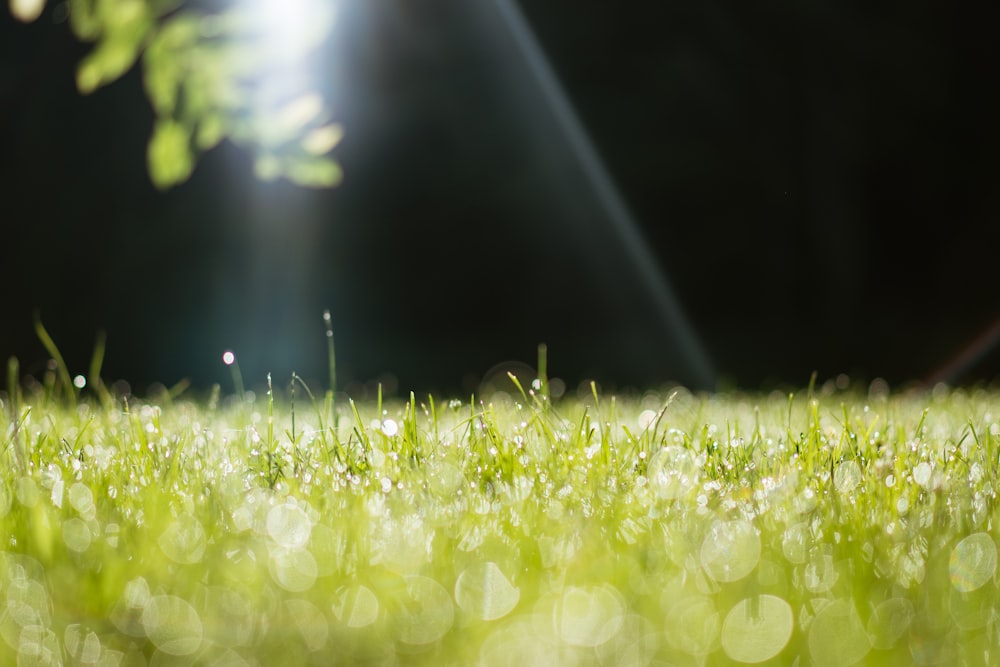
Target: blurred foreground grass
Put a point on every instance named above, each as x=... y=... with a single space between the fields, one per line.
x=663 y=529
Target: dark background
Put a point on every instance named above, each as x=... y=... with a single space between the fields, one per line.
x=817 y=180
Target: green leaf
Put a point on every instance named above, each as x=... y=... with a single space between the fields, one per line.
x=169 y=155
x=211 y=130
x=83 y=20
x=122 y=15
x=114 y=56
x=322 y=140
x=164 y=62
x=160 y=78
x=315 y=172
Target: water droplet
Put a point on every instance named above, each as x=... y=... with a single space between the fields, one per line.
x=172 y=625
x=58 y=486
x=589 y=615
x=837 y=637
x=922 y=474
x=184 y=541
x=634 y=645
x=228 y=358
x=820 y=575
x=82 y=644
x=127 y=612
x=310 y=621
x=426 y=611
x=76 y=535
x=889 y=622
x=293 y=570
x=228 y=658
x=445 y=479
x=847 y=476
x=38 y=647
x=81 y=498
x=389 y=427
x=518 y=644
x=672 y=472
x=973 y=562
x=794 y=544
x=79 y=382
x=289 y=526
x=646 y=419
x=757 y=629
x=355 y=606
x=229 y=617
x=693 y=625
x=730 y=551
x=484 y=592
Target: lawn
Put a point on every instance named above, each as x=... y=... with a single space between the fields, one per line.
x=828 y=527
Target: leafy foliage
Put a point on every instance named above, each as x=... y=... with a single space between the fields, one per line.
x=240 y=73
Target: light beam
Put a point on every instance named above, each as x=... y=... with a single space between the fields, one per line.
x=584 y=152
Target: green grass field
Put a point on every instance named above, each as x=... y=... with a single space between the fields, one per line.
x=828 y=529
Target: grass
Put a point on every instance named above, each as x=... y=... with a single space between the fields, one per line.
x=831 y=528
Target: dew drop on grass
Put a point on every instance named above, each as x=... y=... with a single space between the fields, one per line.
x=172 y=624
x=82 y=644
x=847 y=476
x=820 y=574
x=445 y=479
x=693 y=625
x=518 y=644
x=228 y=658
x=82 y=500
x=634 y=645
x=293 y=570
x=484 y=592
x=922 y=474
x=76 y=535
x=184 y=541
x=837 y=638
x=228 y=617
x=127 y=612
x=757 y=629
x=289 y=526
x=38 y=647
x=973 y=611
x=15 y=616
x=973 y=562
x=889 y=622
x=57 y=493
x=310 y=621
x=355 y=606
x=426 y=611
x=588 y=615
x=730 y=551
x=672 y=472
x=389 y=427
